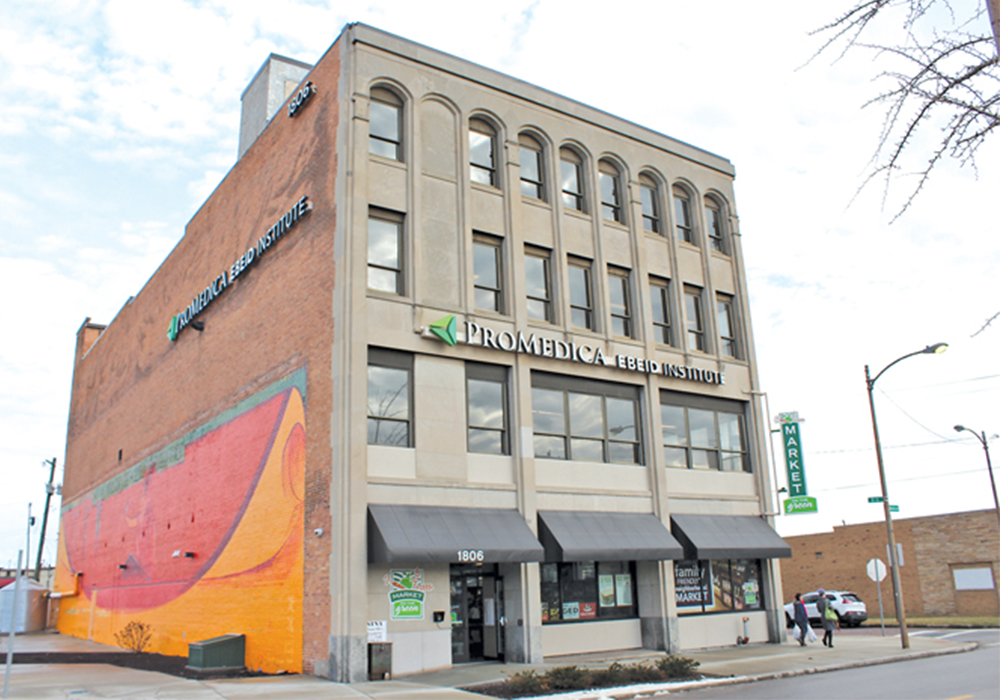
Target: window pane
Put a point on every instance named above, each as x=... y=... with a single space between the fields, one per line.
x=384 y=124
x=485 y=264
x=572 y=192
x=383 y=243
x=731 y=462
x=730 y=435
x=586 y=417
x=702 y=424
x=579 y=286
x=538 y=310
x=486 y=441
x=675 y=456
x=611 y=206
x=531 y=172
x=383 y=280
x=722 y=318
x=383 y=148
x=388 y=432
x=674 y=425
x=701 y=459
x=486 y=404
x=623 y=452
x=550 y=447
x=587 y=450
x=581 y=318
x=388 y=392
x=548 y=412
x=621 y=419
x=481 y=149
x=650 y=212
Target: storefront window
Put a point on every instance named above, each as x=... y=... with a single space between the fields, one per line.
x=587 y=590
x=724 y=585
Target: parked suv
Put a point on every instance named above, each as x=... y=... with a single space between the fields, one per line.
x=848 y=606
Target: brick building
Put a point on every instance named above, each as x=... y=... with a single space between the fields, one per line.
x=445 y=360
x=950 y=563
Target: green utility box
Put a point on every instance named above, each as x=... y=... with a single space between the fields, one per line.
x=224 y=653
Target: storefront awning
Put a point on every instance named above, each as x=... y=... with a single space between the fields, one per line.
x=571 y=535
x=438 y=534
x=728 y=537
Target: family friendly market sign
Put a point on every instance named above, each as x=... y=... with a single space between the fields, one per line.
x=799 y=501
x=446 y=329
x=242 y=264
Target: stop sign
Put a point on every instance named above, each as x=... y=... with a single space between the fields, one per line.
x=876 y=569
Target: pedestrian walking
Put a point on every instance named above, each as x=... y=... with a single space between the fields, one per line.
x=829 y=617
x=801 y=618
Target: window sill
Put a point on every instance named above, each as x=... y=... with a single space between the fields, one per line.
x=391 y=162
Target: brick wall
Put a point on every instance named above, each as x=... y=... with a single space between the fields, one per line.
x=135 y=392
x=837 y=561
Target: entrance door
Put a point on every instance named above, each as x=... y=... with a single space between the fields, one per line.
x=476 y=614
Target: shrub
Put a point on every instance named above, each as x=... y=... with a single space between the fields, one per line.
x=567 y=678
x=673 y=666
x=526 y=683
x=135 y=636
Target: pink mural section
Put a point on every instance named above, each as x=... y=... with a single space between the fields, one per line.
x=202 y=539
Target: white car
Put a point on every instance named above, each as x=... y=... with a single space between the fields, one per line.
x=849 y=608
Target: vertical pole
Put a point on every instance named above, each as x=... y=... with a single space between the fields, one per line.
x=27 y=550
x=13 y=623
x=49 y=490
x=897 y=592
x=989 y=468
x=878 y=582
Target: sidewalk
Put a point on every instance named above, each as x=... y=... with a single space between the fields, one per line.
x=754 y=662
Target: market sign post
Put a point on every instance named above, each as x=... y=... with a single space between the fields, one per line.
x=799 y=502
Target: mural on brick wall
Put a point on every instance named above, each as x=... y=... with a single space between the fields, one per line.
x=200 y=539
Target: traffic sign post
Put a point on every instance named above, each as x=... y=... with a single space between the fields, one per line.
x=876 y=572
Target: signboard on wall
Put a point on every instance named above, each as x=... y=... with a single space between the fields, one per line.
x=407 y=592
x=800 y=501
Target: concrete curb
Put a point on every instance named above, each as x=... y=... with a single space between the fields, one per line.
x=637 y=691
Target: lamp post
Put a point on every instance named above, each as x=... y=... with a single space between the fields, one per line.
x=897 y=591
x=989 y=466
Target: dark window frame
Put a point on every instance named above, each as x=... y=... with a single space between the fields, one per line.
x=659 y=289
x=610 y=185
x=694 y=328
x=399 y=221
x=570 y=584
x=683 y=215
x=381 y=95
x=716 y=225
x=496 y=374
x=487 y=171
x=394 y=360
x=545 y=256
x=622 y=315
x=572 y=200
x=725 y=315
x=496 y=243
x=712 y=573
x=718 y=454
x=576 y=305
x=529 y=146
x=649 y=194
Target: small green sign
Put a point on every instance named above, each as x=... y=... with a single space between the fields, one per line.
x=446 y=329
x=801 y=504
x=893 y=509
x=875 y=499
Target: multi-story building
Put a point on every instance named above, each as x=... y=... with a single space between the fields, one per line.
x=446 y=360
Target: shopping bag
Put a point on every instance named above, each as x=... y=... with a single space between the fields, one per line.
x=830 y=614
x=798 y=632
x=811 y=637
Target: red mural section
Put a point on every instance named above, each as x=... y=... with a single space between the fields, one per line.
x=202 y=539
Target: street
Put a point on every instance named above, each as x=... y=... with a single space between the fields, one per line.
x=967 y=676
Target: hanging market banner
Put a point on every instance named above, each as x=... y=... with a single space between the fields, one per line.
x=800 y=501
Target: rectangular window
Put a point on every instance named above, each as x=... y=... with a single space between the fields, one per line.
x=713 y=216
x=693 y=320
x=384 y=120
x=482 y=152
x=486 y=388
x=650 y=209
x=538 y=278
x=721 y=585
x=703 y=433
x=978 y=578
x=581 y=294
x=611 y=202
x=531 y=172
x=487 y=273
x=659 y=290
x=389 y=412
x=726 y=323
x=585 y=420
x=621 y=303
x=385 y=252
x=583 y=591
x=682 y=215
x=572 y=181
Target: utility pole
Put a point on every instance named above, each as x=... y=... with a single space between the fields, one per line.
x=49 y=490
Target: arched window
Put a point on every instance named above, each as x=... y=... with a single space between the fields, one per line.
x=651 y=210
x=571 y=174
x=611 y=191
x=482 y=152
x=716 y=222
x=683 y=222
x=385 y=124
x=532 y=167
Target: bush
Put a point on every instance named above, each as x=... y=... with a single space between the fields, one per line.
x=135 y=636
x=525 y=683
x=677 y=666
x=567 y=678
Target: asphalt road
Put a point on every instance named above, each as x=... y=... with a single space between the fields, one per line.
x=971 y=676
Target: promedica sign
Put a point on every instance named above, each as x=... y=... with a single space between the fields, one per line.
x=507 y=341
x=242 y=264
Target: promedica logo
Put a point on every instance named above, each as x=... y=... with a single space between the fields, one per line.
x=446 y=329
x=219 y=284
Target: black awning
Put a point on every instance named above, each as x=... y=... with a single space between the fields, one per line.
x=571 y=535
x=438 y=534
x=728 y=537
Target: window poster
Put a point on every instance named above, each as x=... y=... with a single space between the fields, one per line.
x=692 y=591
x=588 y=611
x=571 y=611
x=623 y=588
x=606 y=590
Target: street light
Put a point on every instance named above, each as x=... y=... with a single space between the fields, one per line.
x=982 y=438
x=897 y=591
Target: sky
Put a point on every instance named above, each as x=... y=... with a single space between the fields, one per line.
x=118 y=119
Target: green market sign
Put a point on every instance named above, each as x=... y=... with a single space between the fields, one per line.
x=407 y=592
x=446 y=330
x=242 y=264
x=799 y=502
